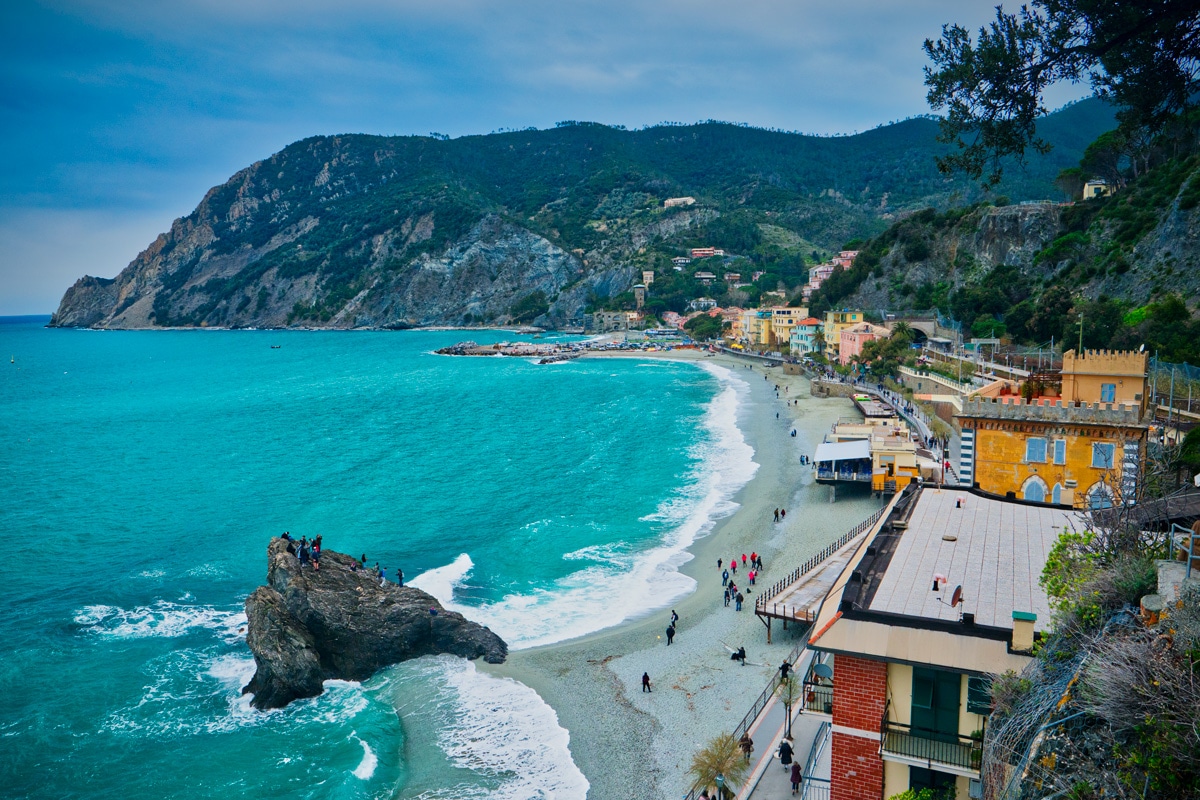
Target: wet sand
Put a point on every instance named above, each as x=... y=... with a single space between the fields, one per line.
x=629 y=743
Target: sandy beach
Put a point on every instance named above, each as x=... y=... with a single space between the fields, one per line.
x=629 y=743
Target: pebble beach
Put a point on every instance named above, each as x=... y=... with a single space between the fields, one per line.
x=630 y=743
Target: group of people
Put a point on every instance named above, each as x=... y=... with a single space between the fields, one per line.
x=780 y=514
x=310 y=553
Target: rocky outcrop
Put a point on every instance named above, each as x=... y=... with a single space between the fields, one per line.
x=307 y=626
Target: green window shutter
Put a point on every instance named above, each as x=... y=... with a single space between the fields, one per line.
x=979 y=695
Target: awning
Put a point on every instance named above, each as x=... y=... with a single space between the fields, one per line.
x=843 y=451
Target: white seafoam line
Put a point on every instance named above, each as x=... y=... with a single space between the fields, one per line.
x=625 y=585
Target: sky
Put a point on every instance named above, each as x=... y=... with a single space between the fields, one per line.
x=116 y=116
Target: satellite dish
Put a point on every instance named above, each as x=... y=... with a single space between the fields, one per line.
x=823 y=671
x=956 y=598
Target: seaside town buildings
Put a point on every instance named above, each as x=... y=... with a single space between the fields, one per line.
x=706 y=252
x=835 y=323
x=803 y=339
x=940 y=594
x=675 y=202
x=1076 y=438
x=852 y=339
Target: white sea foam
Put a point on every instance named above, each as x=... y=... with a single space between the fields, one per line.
x=621 y=585
x=164 y=618
x=502 y=729
x=366 y=767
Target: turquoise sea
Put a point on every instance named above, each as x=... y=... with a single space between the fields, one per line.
x=144 y=472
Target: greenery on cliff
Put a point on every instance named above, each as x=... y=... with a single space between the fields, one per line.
x=330 y=226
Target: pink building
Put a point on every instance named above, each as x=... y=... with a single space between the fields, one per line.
x=853 y=339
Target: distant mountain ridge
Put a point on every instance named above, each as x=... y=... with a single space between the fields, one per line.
x=372 y=231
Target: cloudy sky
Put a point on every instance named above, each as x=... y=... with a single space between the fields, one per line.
x=117 y=115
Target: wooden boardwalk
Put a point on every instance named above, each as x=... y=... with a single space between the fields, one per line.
x=797 y=597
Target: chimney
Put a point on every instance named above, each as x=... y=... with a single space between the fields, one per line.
x=1022 y=637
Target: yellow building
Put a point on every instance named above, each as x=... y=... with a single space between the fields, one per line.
x=783 y=320
x=1082 y=443
x=754 y=327
x=1105 y=376
x=835 y=323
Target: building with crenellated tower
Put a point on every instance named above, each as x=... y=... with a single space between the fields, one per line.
x=1076 y=437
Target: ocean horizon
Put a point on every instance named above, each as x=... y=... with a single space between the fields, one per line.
x=149 y=469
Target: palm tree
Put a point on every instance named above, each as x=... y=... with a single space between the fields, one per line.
x=721 y=756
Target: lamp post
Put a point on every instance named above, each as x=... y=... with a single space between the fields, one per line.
x=720 y=779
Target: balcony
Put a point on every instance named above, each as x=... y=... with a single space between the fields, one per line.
x=818 y=685
x=923 y=748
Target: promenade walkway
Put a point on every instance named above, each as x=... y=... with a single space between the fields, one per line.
x=769 y=780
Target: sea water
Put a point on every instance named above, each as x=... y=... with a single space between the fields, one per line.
x=143 y=474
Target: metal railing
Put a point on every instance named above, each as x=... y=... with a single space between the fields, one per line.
x=931 y=747
x=818 y=691
x=759 y=704
x=812 y=786
x=808 y=566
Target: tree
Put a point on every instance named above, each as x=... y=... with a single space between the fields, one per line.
x=704 y=327
x=721 y=756
x=1144 y=57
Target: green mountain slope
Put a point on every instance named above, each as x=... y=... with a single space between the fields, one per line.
x=358 y=230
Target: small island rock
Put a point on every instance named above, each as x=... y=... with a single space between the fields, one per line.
x=308 y=626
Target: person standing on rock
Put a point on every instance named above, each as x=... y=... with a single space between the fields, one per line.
x=399 y=576
x=303 y=555
x=645 y=681
x=383 y=576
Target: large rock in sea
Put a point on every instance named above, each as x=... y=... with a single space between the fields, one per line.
x=308 y=626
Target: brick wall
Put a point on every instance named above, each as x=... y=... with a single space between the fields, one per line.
x=859 y=699
x=855 y=768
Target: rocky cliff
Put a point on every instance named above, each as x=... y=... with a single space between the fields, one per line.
x=528 y=226
x=307 y=626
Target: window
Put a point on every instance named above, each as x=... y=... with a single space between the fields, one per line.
x=979 y=695
x=1035 y=451
x=1056 y=495
x=1102 y=455
x=1035 y=490
x=1100 y=496
x=1108 y=393
x=1060 y=451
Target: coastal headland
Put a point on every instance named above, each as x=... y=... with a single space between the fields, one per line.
x=631 y=743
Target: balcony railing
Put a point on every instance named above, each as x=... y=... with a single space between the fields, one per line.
x=931 y=747
x=818 y=696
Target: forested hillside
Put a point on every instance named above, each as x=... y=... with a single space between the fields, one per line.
x=357 y=230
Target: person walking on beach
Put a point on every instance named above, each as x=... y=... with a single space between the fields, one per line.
x=725 y=578
x=727 y=597
x=751 y=575
x=777 y=515
x=796 y=777
x=743 y=559
x=741 y=598
x=782 y=514
x=733 y=565
x=674 y=617
x=754 y=559
x=719 y=562
x=670 y=634
x=645 y=681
